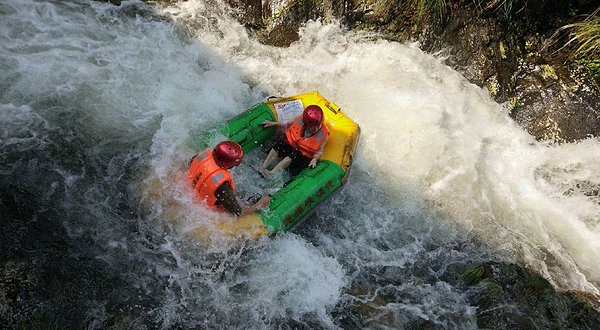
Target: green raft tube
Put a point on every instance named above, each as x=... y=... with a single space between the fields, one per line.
x=296 y=200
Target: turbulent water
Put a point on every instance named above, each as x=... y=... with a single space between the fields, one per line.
x=99 y=108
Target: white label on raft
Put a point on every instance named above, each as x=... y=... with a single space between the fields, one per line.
x=288 y=111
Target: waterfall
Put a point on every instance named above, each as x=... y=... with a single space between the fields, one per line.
x=99 y=108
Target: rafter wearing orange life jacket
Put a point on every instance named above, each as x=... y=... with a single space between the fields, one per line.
x=206 y=176
x=309 y=146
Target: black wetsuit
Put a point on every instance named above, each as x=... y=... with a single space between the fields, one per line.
x=226 y=197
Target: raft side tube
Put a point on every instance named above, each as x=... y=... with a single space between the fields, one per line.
x=306 y=191
x=245 y=128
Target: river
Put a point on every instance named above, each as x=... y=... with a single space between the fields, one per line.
x=99 y=108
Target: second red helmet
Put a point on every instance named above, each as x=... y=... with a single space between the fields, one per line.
x=312 y=115
x=228 y=154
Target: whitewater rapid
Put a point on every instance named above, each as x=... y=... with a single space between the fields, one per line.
x=99 y=108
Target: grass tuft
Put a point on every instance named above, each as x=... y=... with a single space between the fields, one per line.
x=585 y=36
x=536 y=285
x=473 y=274
x=422 y=8
x=491 y=288
x=437 y=8
x=506 y=6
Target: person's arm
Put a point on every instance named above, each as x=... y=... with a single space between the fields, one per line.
x=226 y=196
x=281 y=127
x=317 y=155
x=268 y=123
x=262 y=202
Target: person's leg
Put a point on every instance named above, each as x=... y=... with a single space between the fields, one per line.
x=270 y=158
x=283 y=164
x=279 y=148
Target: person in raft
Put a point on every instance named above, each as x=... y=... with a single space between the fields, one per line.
x=302 y=144
x=209 y=175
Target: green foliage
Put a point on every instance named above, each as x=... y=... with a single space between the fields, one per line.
x=593 y=66
x=536 y=285
x=515 y=102
x=572 y=10
x=437 y=8
x=585 y=36
x=505 y=6
x=473 y=274
x=584 y=304
x=586 y=300
x=491 y=288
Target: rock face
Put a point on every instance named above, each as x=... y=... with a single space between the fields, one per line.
x=510 y=297
x=520 y=63
x=278 y=21
x=513 y=51
x=504 y=296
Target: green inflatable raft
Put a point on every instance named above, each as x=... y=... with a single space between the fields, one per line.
x=296 y=200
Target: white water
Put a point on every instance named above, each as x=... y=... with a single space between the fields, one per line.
x=442 y=176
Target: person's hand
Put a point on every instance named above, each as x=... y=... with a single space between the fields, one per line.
x=268 y=123
x=263 y=201
x=313 y=163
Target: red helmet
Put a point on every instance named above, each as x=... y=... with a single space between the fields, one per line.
x=312 y=115
x=228 y=154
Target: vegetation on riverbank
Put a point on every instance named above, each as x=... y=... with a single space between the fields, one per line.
x=584 y=38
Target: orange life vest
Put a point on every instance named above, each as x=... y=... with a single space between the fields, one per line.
x=309 y=146
x=206 y=176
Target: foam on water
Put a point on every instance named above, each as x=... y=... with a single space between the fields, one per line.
x=102 y=105
x=423 y=124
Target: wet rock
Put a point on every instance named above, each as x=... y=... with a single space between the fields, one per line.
x=508 y=296
x=503 y=295
x=283 y=19
x=555 y=102
x=250 y=12
x=546 y=92
x=14 y=290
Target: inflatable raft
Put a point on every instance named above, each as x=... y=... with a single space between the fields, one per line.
x=300 y=196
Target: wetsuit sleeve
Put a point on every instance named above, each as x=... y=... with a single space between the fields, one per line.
x=226 y=197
